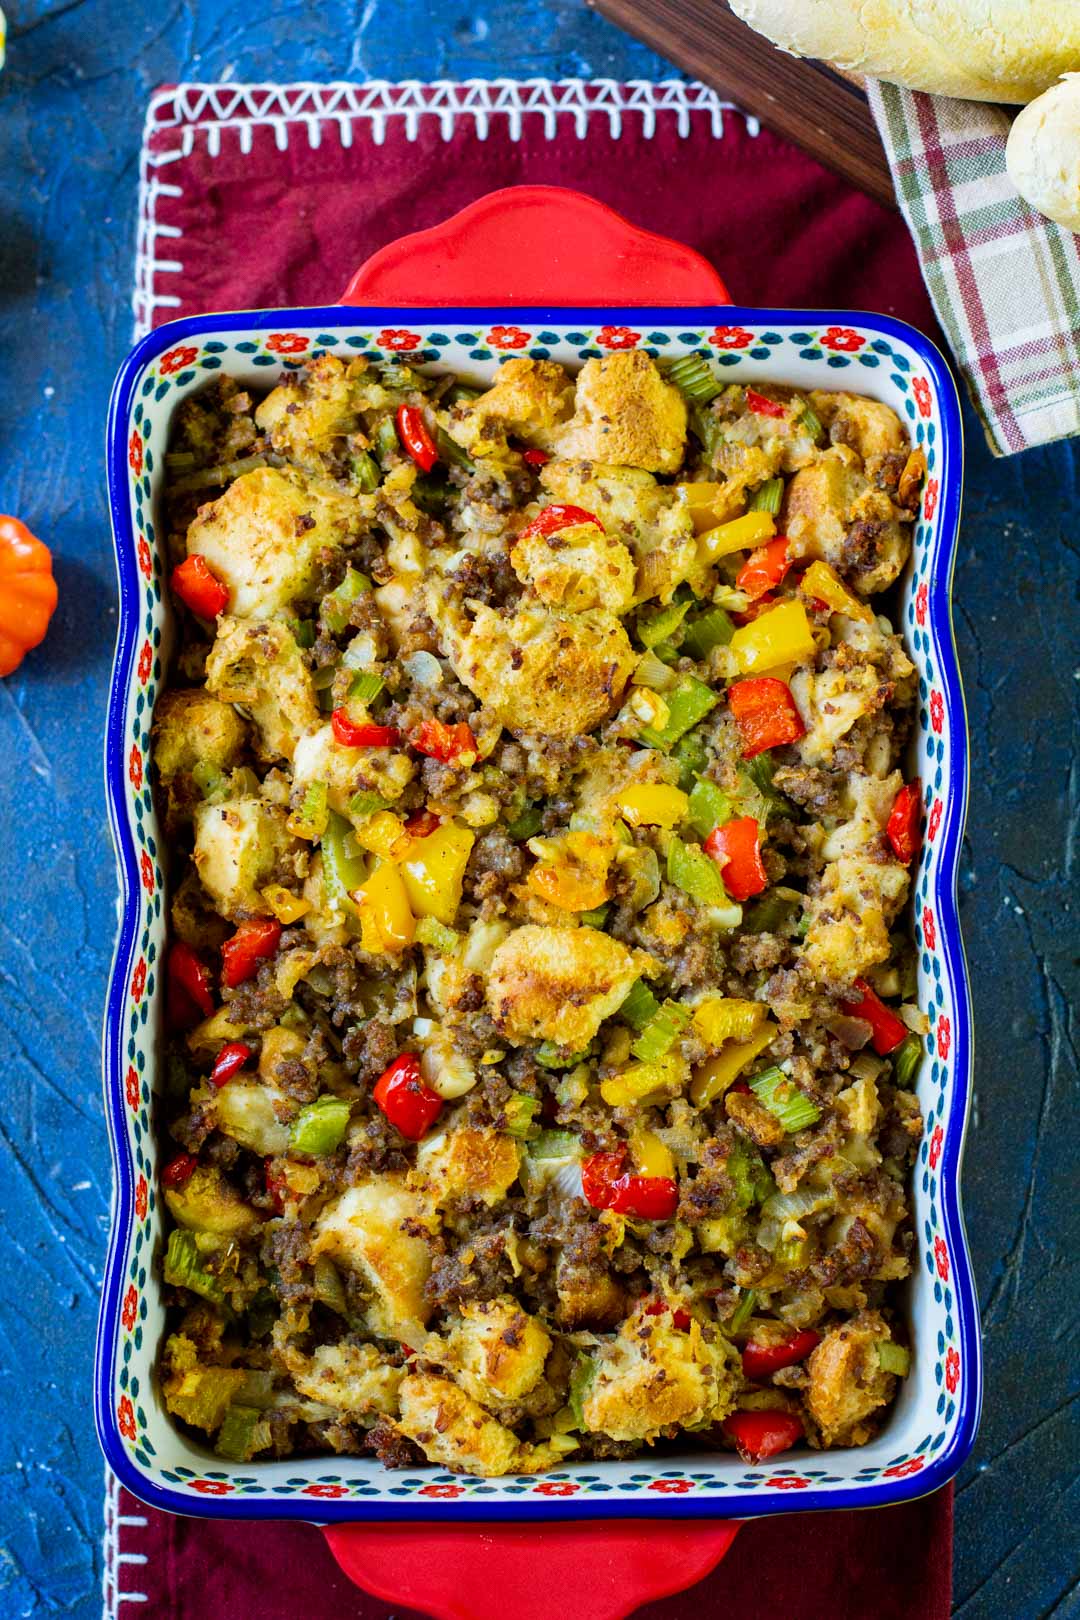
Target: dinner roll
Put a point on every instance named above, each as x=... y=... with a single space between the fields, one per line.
x=1043 y=153
x=981 y=50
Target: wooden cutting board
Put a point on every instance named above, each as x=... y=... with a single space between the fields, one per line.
x=821 y=110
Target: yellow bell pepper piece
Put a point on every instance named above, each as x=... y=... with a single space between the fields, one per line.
x=781 y=636
x=380 y=833
x=702 y=499
x=640 y=1080
x=650 y=1156
x=713 y=1077
x=433 y=871
x=572 y=872
x=724 y=1018
x=742 y=532
x=287 y=907
x=822 y=583
x=384 y=910
x=652 y=804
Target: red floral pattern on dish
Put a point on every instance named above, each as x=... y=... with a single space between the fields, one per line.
x=932 y=825
x=787 y=1482
x=556 y=1487
x=398 y=340
x=922 y=601
x=930 y=498
x=138 y=979
x=921 y=389
x=671 y=1487
x=843 y=339
x=135 y=453
x=326 y=1492
x=730 y=337
x=508 y=337
x=286 y=343
x=135 y=768
x=212 y=1487
x=146 y=562
x=146 y=662
x=177 y=359
x=941 y=1258
x=929 y=929
x=937 y=711
x=142 y=1196
x=902 y=1470
x=442 y=1493
x=935 y=1146
x=130 y=1310
x=952 y=1370
x=944 y=1036
x=125 y=1417
x=146 y=868
x=617 y=337
x=131 y=1087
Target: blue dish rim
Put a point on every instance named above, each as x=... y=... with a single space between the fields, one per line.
x=879 y=1493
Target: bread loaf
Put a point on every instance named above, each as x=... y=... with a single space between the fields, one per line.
x=1043 y=153
x=981 y=50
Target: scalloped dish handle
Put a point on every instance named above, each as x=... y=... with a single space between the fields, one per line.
x=528 y=1572
x=535 y=245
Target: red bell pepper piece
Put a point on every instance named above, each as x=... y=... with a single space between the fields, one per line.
x=736 y=849
x=190 y=992
x=250 y=945
x=742 y=1087
x=765 y=713
x=276 y=1185
x=761 y=406
x=558 y=516
x=229 y=1061
x=760 y=1361
x=758 y=1435
x=443 y=742
x=904 y=822
x=422 y=824
x=178 y=1170
x=536 y=458
x=407 y=1102
x=199 y=588
x=415 y=438
x=351 y=735
x=680 y=1319
x=888 y=1031
x=765 y=568
x=606 y=1186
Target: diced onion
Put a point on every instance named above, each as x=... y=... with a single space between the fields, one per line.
x=423 y=668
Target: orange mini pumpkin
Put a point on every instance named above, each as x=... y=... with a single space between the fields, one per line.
x=27 y=592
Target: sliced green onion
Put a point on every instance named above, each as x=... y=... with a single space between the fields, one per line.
x=596 y=918
x=519 y=1110
x=244 y=1432
x=690 y=702
x=550 y=1055
x=366 y=803
x=744 y=1310
x=310 y=820
x=640 y=1006
x=708 y=807
x=184 y=1268
x=694 y=378
x=582 y=1377
x=782 y=1097
x=810 y=420
x=893 y=1358
x=691 y=870
x=525 y=824
x=907 y=1061
x=365 y=472
x=321 y=1126
x=365 y=686
x=554 y=1145
x=661 y=1032
x=435 y=934
x=337 y=604
x=711 y=629
x=768 y=497
x=693 y=756
x=662 y=624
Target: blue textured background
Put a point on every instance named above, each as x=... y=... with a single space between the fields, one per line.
x=71 y=106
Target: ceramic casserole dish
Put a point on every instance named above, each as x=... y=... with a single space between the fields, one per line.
x=930 y=1431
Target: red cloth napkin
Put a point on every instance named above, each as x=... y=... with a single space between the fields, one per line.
x=274 y=195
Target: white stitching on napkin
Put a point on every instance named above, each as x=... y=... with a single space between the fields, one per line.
x=115 y=1521
x=206 y=111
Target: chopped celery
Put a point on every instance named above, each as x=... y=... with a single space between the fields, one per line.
x=758 y=772
x=690 y=702
x=582 y=1377
x=691 y=870
x=693 y=756
x=552 y=1056
x=744 y=1310
x=792 y=1253
x=256 y=1390
x=519 y=1110
x=708 y=630
x=221 y=474
x=211 y=783
x=365 y=686
x=596 y=918
x=303 y=632
x=329 y=1288
x=774 y=912
x=654 y=673
x=525 y=824
x=451 y=452
x=460 y=394
x=554 y=1145
x=340 y=870
x=693 y=377
x=244 y=1432
x=640 y=1006
x=387 y=445
x=907 y=1061
x=320 y=1127
x=706 y=428
x=810 y=421
x=661 y=1032
x=750 y=1175
x=337 y=604
x=662 y=624
x=183 y=1267
x=431 y=493
x=709 y=807
x=768 y=497
x=431 y=932
x=666 y=652
x=366 y=803
x=893 y=1358
x=310 y=820
x=782 y=1097
x=642 y=869
x=365 y=472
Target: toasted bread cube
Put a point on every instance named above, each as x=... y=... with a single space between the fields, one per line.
x=261 y=667
x=626 y=414
x=558 y=984
x=452 y=1429
x=469 y=1161
x=237 y=846
x=531 y=399
x=653 y=1376
x=352 y=1377
x=847 y=1383
x=498 y=1350
x=365 y=1229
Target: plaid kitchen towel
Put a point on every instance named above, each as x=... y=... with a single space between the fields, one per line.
x=1005 y=282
